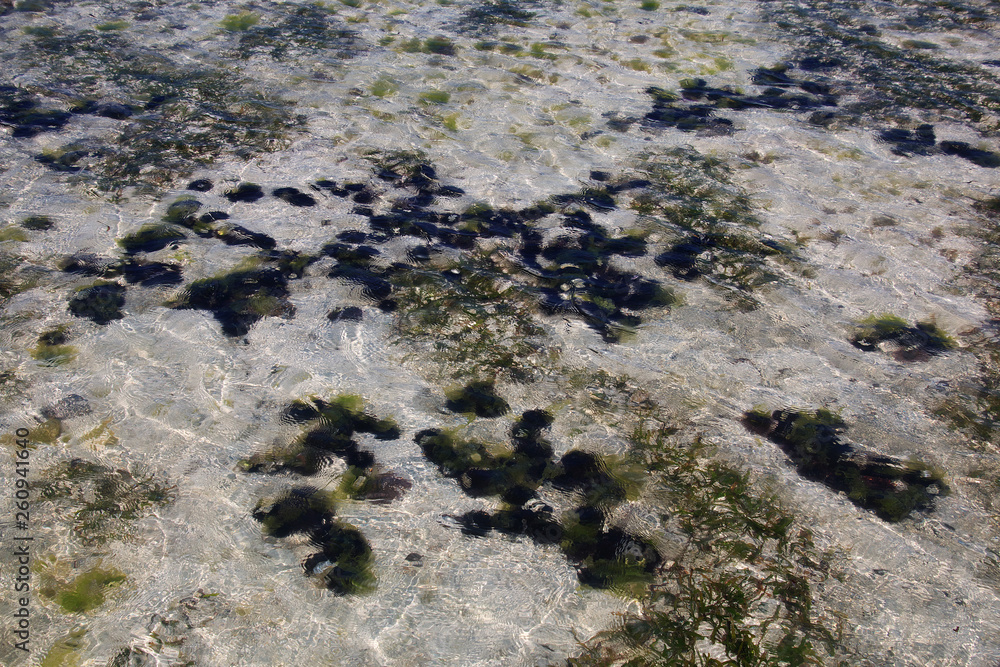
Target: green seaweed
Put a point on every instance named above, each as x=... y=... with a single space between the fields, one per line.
x=305 y=28
x=106 y=499
x=86 y=592
x=694 y=196
x=890 y=488
x=740 y=590
x=202 y=112
x=151 y=237
x=891 y=81
x=239 y=22
x=52 y=350
x=913 y=342
x=65 y=652
x=477 y=324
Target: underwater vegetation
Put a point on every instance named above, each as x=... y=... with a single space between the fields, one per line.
x=345 y=558
x=912 y=342
x=482 y=18
x=105 y=499
x=344 y=561
x=13 y=277
x=477 y=308
x=101 y=303
x=921 y=141
x=331 y=426
x=975 y=407
x=240 y=298
x=714 y=224
x=292 y=30
x=173 y=116
x=740 y=588
x=25 y=115
x=605 y=556
x=151 y=238
x=889 y=487
x=85 y=592
x=842 y=38
x=52 y=348
x=693 y=110
x=478 y=397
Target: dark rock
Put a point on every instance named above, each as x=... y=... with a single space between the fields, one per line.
x=114 y=111
x=478 y=397
x=67 y=407
x=349 y=314
x=151 y=274
x=99 y=303
x=245 y=192
x=294 y=196
x=976 y=156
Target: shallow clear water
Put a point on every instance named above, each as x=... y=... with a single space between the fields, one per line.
x=510 y=115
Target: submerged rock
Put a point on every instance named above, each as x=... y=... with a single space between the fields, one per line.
x=245 y=192
x=889 y=487
x=100 y=303
x=604 y=556
x=478 y=397
x=913 y=343
x=150 y=238
x=294 y=196
x=241 y=298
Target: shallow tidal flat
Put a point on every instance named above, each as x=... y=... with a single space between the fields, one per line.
x=495 y=333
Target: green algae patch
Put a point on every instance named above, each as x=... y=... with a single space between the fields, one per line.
x=384 y=87
x=434 y=97
x=111 y=26
x=912 y=343
x=104 y=500
x=740 y=590
x=889 y=487
x=101 y=302
x=84 y=593
x=66 y=651
x=239 y=22
x=345 y=560
x=201 y=111
x=52 y=349
x=151 y=237
x=12 y=233
x=240 y=298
